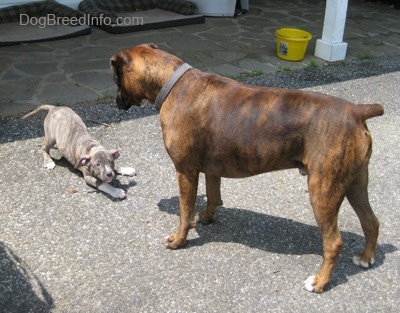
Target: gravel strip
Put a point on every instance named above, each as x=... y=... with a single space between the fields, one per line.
x=331 y=73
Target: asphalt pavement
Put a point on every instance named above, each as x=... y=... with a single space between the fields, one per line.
x=65 y=247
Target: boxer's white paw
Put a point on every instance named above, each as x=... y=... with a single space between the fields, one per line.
x=49 y=165
x=128 y=171
x=308 y=284
x=113 y=192
x=357 y=261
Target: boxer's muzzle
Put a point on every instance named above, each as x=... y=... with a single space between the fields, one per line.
x=124 y=102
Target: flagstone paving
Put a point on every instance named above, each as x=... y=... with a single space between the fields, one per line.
x=77 y=69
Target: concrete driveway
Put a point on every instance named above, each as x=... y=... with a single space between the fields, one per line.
x=65 y=247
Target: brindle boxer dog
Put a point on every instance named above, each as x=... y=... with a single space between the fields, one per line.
x=223 y=128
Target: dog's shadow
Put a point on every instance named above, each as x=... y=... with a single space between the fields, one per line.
x=21 y=290
x=275 y=234
x=62 y=162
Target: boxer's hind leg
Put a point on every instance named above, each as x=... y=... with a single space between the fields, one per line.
x=326 y=198
x=213 y=191
x=188 y=180
x=357 y=194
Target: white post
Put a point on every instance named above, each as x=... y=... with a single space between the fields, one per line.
x=331 y=47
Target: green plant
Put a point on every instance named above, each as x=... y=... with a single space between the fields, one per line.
x=257 y=73
x=283 y=69
x=57 y=103
x=313 y=63
x=105 y=97
x=365 y=56
x=253 y=73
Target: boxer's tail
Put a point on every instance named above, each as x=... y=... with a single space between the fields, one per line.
x=366 y=111
x=44 y=107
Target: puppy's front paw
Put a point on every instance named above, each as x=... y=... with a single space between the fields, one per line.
x=113 y=192
x=128 y=171
x=49 y=165
x=118 y=193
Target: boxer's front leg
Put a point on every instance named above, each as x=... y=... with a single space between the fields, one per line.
x=188 y=181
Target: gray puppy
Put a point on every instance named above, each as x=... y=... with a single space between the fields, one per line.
x=64 y=128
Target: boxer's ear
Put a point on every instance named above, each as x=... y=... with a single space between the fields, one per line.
x=118 y=63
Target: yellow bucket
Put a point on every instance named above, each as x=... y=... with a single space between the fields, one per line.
x=291 y=43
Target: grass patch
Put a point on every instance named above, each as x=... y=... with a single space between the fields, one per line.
x=365 y=56
x=283 y=69
x=313 y=63
x=245 y=75
x=106 y=97
x=57 y=103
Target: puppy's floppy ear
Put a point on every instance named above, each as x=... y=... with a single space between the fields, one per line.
x=116 y=153
x=84 y=160
x=119 y=62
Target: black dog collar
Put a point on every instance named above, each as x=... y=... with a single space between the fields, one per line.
x=166 y=89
